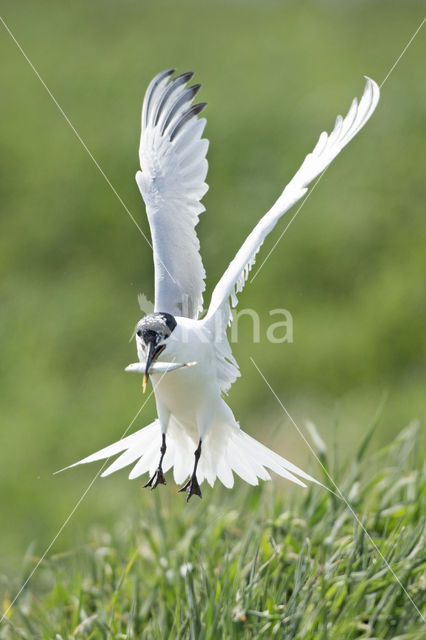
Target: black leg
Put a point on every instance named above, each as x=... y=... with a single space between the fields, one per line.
x=192 y=487
x=158 y=477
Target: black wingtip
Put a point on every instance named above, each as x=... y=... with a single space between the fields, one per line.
x=194 y=89
x=163 y=74
x=191 y=113
x=197 y=108
x=187 y=96
x=186 y=76
x=171 y=86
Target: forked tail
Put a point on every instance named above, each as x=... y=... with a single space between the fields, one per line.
x=226 y=450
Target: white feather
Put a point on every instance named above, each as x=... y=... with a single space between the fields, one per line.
x=226 y=449
x=232 y=282
x=172 y=194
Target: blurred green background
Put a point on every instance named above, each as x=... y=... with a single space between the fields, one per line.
x=350 y=268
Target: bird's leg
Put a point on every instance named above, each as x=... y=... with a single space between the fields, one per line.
x=192 y=487
x=158 y=477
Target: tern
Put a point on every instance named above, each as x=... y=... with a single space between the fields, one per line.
x=196 y=432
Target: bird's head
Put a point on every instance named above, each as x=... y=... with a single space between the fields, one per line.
x=152 y=333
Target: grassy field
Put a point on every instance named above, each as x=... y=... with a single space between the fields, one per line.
x=260 y=565
x=350 y=269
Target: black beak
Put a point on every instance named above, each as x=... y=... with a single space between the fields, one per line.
x=153 y=353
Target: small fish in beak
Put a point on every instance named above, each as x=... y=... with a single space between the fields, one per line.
x=158 y=367
x=153 y=353
x=152 y=331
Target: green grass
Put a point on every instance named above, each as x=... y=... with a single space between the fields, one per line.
x=247 y=564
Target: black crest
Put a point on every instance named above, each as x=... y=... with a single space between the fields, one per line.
x=155 y=327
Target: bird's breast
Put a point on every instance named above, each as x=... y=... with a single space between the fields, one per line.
x=184 y=391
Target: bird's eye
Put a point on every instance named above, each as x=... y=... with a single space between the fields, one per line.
x=139 y=333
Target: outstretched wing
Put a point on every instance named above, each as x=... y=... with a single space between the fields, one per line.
x=219 y=314
x=326 y=149
x=173 y=170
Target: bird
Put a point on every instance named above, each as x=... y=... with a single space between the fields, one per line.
x=196 y=432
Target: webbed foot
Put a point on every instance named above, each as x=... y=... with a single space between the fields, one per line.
x=157 y=478
x=192 y=488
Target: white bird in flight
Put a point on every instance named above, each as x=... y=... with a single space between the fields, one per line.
x=192 y=412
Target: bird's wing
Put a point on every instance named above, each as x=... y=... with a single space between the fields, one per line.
x=326 y=149
x=219 y=314
x=173 y=164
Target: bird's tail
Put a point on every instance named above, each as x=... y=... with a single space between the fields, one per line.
x=237 y=452
x=226 y=450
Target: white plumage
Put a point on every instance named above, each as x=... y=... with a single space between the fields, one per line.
x=173 y=164
x=190 y=404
